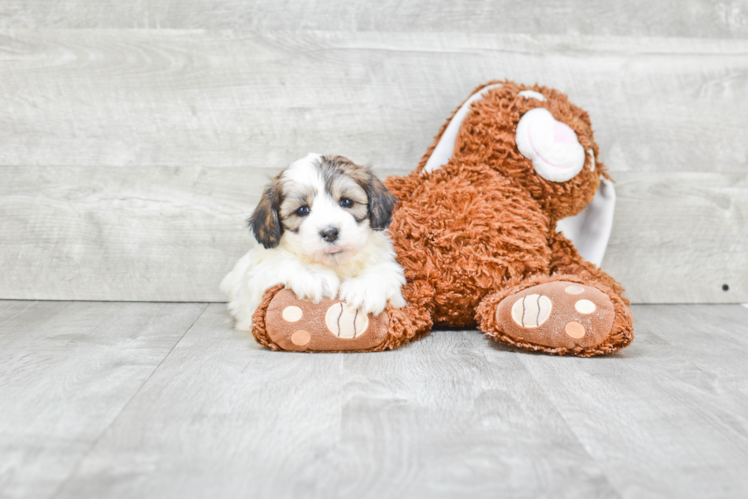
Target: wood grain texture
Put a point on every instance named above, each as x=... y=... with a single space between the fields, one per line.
x=680 y=237
x=131 y=158
x=671 y=419
x=127 y=234
x=66 y=371
x=197 y=98
x=692 y=18
x=168 y=233
x=449 y=416
x=453 y=415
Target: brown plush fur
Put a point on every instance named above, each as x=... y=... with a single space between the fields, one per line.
x=482 y=228
x=258 y=318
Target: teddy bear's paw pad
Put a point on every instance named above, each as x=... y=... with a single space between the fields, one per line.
x=557 y=314
x=330 y=325
x=345 y=322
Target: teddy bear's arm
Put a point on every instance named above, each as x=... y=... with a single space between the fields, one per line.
x=565 y=259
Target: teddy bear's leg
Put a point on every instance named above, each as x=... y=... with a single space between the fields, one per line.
x=565 y=259
x=282 y=322
x=577 y=310
x=559 y=314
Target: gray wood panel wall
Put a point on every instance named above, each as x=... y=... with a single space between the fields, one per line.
x=684 y=18
x=130 y=158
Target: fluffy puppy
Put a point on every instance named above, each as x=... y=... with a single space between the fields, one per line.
x=320 y=224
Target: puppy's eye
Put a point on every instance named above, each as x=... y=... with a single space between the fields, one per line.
x=302 y=211
x=346 y=202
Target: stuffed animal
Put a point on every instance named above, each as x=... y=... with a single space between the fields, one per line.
x=475 y=231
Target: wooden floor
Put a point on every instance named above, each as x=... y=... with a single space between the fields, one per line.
x=105 y=399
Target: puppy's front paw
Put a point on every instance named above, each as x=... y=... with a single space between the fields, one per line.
x=363 y=295
x=315 y=286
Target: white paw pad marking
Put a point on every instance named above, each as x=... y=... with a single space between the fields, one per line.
x=346 y=322
x=585 y=306
x=574 y=289
x=292 y=314
x=531 y=311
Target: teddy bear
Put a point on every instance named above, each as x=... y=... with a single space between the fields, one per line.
x=475 y=232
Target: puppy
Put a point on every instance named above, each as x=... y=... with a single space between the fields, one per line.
x=320 y=224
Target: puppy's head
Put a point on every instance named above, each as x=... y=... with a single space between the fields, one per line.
x=323 y=207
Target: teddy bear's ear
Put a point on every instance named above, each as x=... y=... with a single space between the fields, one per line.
x=444 y=149
x=265 y=220
x=381 y=204
x=590 y=229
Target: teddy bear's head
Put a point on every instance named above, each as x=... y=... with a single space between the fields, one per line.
x=535 y=136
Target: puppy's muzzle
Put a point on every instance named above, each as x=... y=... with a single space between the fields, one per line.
x=329 y=234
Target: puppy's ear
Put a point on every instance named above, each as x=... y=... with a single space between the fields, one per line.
x=265 y=220
x=381 y=204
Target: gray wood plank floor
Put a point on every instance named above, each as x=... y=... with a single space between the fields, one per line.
x=67 y=369
x=153 y=399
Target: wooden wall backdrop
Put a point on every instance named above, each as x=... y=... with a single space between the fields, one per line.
x=135 y=137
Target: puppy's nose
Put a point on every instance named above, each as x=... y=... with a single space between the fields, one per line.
x=329 y=234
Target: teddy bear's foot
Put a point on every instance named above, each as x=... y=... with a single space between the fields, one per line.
x=557 y=314
x=283 y=322
x=559 y=317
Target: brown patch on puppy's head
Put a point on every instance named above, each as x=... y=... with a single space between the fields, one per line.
x=292 y=201
x=265 y=221
x=381 y=204
x=347 y=180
